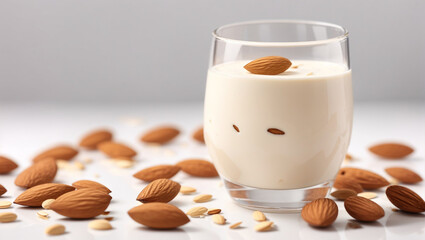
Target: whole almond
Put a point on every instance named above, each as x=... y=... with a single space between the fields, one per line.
x=94 y=138
x=7 y=165
x=271 y=65
x=363 y=209
x=343 y=182
x=63 y=152
x=321 y=212
x=100 y=224
x=158 y=215
x=263 y=226
x=81 y=184
x=343 y=194
x=156 y=172
x=55 y=229
x=3 y=190
x=391 y=150
x=405 y=199
x=404 y=175
x=160 y=135
x=197 y=211
x=81 y=204
x=367 y=179
x=46 y=203
x=43 y=171
x=160 y=190
x=35 y=196
x=198 y=168
x=202 y=198
x=218 y=219
x=6 y=217
x=198 y=135
x=116 y=150
x=259 y=216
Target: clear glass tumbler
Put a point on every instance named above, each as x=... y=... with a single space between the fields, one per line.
x=278 y=140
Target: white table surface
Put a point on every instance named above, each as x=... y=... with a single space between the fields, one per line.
x=26 y=129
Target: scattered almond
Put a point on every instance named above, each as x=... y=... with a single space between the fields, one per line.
x=5 y=204
x=393 y=181
x=218 y=219
x=343 y=182
x=235 y=225
x=368 y=195
x=3 y=190
x=79 y=165
x=160 y=190
x=263 y=226
x=321 y=212
x=391 y=150
x=198 y=135
x=46 y=203
x=35 y=196
x=157 y=172
x=405 y=199
x=348 y=157
x=116 y=150
x=6 y=217
x=106 y=213
x=43 y=171
x=100 y=224
x=83 y=203
x=197 y=211
x=271 y=65
x=55 y=229
x=81 y=184
x=109 y=218
x=367 y=179
x=343 y=194
x=213 y=211
x=7 y=165
x=363 y=209
x=124 y=163
x=198 y=168
x=158 y=215
x=43 y=214
x=160 y=135
x=259 y=216
x=94 y=138
x=187 y=190
x=202 y=198
x=63 y=152
x=404 y=175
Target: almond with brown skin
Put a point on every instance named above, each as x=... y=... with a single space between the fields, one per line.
x=3 y=190
x=160 y=135
x=157 y=172
x=405 y=199
x=198 y=168
x=116 y=150
x=82 y=204
x=404 y=175
x=391 y=150
x=343 y=194
x=35 y=196
x=43 y=171
x=159 y=215
x=94 y=138
x=321 y=212
x=271 y=65
x=363 y=209
x=343 y=182
x=198 y=135
x=7 y=165
x=81 y=184
x=160 y=190
x=368 y=179
x=62 y=152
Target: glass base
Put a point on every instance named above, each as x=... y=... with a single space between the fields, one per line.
x=271 y=200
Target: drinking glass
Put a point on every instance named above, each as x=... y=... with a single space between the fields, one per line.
x=278 y=141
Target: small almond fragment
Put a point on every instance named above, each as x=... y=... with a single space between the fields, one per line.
x=81 y=184
x=160 y=190
x=100 y=224
x=270 y=65
x=367 y=179
x=198 y=135
x=404 y=175
x=63 y=152
x=159 y=215
x=55 y=229
x=92 y=139
x=160 y=135
x=213 y=211
x=3 y=190
x=202 y=198
x=343 y=194
x=124 y=163
x=43 y=214
x=197 y=211
x=363 y=209
x=116 y=150
x=235 y=225
x=405 y=199
x=35 y=196
x=157 y=172
x=187 y=190
x=198 y=168
x=391 y=150
x=46 y=203
x=259 y=216
x=6 y=217
x=218 y=219
x=43 y=171
x=368 y=195
x=7 y=165
x=5 y=204
x=321 y=212
x=348 y=157
x=79 y=165
x=343 y=182
x=263 y=226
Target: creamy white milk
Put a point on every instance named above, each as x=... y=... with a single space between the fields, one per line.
x=312 y=104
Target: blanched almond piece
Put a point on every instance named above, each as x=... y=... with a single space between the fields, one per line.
x=197 y=211
x=55 y=229
x=6 y=217
x=100 y=224
x=259 y=216
x=368 y=195
x=187 y=190
x=263 y=226
x=43 y=214
x=218 y=219
x=202 y=198
x=235 y=225
x=5 y=204
x=46 y=203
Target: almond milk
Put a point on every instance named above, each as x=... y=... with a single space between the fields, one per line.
x=311 y=103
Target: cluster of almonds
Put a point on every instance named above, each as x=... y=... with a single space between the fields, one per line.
x=351 y=183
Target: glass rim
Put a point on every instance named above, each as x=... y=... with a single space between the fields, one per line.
x=341 y=37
